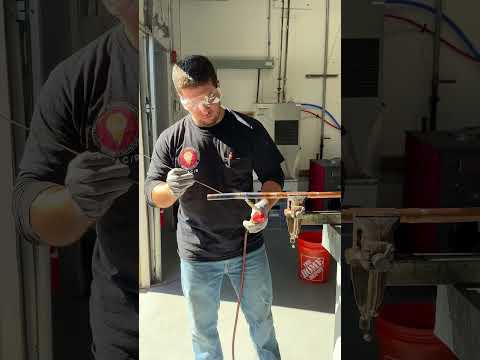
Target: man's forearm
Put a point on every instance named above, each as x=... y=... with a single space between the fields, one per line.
x=56 y=219
x=271 y=186
x=162 y=197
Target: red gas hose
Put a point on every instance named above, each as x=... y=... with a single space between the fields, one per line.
x=240 y=291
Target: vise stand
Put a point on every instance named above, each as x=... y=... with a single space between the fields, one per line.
x=375 y=263
x=296 y=217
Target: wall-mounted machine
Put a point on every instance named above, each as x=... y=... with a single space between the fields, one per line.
x=282 y=121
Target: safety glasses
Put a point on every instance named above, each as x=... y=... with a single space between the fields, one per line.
x=213 y=98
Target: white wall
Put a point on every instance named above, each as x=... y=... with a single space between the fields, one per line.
x=239 y=28
x=408 y=67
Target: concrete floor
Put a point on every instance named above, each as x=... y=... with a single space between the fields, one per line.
x=303 y=313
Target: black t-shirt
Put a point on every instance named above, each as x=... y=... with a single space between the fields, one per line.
x=223 y=157
x=79 y=102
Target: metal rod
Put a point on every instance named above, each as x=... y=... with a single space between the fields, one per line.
x=416 y=215
x=325 y=71
x=274 y=195
x=20 y=125
x=279 y=86
x=437 y=257
x=420 y=212
x=72 y=151
x=286 y=54
x=445 y=254
x=436 y=65
x=209 y=187
x=29 y=40
x=199 y=182
x=258 y=84
x=269 y=26
x=269 y=41
x=316 y=76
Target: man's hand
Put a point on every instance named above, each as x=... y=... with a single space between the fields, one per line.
x=178 y=181
x=95 y=181
x=258 y=218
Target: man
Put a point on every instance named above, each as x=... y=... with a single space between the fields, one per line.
x=79 y=170
x=220 y=148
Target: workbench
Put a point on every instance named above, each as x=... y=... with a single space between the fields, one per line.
x=457 y=276
x=457 y=321
x=331 y=240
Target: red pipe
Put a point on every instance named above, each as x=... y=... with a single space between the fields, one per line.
x=424 y=28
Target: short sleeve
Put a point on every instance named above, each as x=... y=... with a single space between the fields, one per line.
x=45 y=159
x=160 y=164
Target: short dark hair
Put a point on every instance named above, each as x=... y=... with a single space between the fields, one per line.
x=192 y=71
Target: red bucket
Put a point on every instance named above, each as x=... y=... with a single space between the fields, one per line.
x=405 y=331
x=313 y=259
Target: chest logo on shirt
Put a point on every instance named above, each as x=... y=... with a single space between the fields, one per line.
x=116 y=130
x=189 y=158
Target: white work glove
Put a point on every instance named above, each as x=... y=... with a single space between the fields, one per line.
x=258 y=218
x=179 y=180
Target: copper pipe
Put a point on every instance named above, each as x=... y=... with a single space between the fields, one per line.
x=274 y=195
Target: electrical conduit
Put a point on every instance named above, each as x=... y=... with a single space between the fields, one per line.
x=448 y=20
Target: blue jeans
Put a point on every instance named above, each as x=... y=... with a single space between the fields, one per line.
x=202 y=283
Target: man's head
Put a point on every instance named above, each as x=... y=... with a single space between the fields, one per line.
x=196 y=83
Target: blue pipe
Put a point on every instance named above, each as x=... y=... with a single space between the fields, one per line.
x=326 y=112
x=449 y=21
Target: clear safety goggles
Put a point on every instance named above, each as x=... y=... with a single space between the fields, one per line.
x=213 y=98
